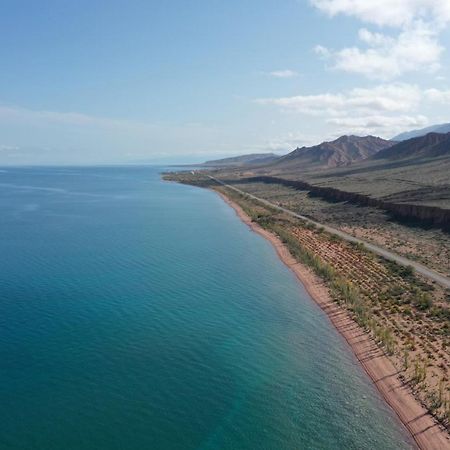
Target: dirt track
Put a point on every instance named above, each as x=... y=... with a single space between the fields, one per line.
x=420 y=268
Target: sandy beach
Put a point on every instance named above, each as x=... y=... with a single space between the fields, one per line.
x=424 y=429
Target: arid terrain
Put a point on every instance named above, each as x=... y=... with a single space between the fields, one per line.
x=407 y=315
x=394 y=195
x=430 y=246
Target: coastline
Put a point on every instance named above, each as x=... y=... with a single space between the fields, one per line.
x=425 y=431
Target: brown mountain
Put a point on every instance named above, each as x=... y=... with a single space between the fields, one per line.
x=429 y=146
x=341 y=152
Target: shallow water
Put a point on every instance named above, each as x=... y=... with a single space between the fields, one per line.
x=136 y=313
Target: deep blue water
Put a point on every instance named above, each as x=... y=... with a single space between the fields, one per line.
x=140 y=314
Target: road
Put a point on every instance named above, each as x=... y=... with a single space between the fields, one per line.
x=420 y=268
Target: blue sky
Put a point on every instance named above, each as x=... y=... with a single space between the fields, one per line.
x=117 y=81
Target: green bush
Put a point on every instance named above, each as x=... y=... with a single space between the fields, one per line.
x=440 y=312
x=422 y=301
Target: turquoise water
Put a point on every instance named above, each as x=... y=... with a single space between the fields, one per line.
x=139 y=314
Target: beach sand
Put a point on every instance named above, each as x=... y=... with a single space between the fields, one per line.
x=425 y=430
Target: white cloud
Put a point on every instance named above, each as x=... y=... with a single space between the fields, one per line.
x=291 y=140
x=415 y=48
x=438 y=96
x=307 y=104
x=387 y=97
x=394 y=13
x=386 y=57
x=385 y=109
x=396 y=97
x=374 y=38
x=322 y=51
x=283 y=73
x=378 y=123
x=286 y=142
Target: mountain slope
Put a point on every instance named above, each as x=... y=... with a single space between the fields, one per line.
x=428 y=146
x=442 y=128
x=252 y=159
x=341 y=152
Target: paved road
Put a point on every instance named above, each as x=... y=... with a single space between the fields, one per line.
x=431 y=274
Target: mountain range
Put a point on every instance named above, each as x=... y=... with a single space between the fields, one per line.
x=441 y=128
x=429 y=146
x=251 y=159
x=345 y=151
x=413 y=172
x=340 y=152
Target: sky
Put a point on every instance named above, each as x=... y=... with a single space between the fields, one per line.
x=109 y=81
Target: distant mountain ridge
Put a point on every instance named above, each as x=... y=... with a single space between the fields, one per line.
x=251 y=159
x=441 y=128
x=340 y=152
x=429 y=146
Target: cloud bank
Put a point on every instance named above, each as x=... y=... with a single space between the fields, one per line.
x=385 y=108
x=414 y=46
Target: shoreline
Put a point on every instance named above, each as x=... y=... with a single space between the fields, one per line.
x=424 y=429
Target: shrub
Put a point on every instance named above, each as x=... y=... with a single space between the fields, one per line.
x=346 y=290
x=422 y=301
x=405 y=359
x=420 y=371
x=440 y=312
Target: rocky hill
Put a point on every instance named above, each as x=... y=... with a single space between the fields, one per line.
x=429 y=146
x=340 y=152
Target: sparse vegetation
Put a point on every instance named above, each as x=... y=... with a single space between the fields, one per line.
x=408 y=317
x=428 y=246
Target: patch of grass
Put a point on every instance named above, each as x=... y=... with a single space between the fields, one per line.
x=422 y=301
